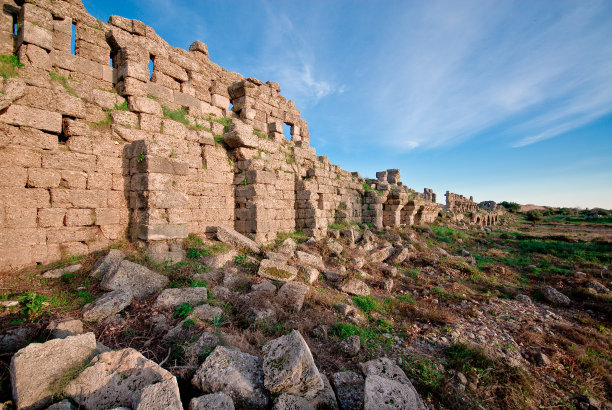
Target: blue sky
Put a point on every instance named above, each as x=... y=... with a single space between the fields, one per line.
x=503 y=100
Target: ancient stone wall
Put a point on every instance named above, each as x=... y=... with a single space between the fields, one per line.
x=95 y=147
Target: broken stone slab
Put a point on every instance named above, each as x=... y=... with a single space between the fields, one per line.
x=355 y=287
x=58 y=273
x=277 y=256
x=115 y=379
x=289 y=366
x=213 y=401
x=137 y=279
x=237 y=240
x=291 y=402
x=349 y=387
x=159 y=396
x=61 y=330
x=325 y=399
x=379 y=255
x=334 y=248
x=553 y=296
x=287 y=247
x=277 y=270
x=388 y=270
x=308 y=259
x=62 y=405
x=398 y=256
x=350 y=346
x=235 y=373
x=109 y=263
x=107 y=305
x=266 y=287
x=206 y=312
x=309 y=273
x=37 y=369
x=171 y=298
x=382 y=393
x=292 y=294
x=219 y=260
x=400 y=389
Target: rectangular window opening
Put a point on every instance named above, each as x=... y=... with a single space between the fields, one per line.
x=287 y=131
x=73 y=39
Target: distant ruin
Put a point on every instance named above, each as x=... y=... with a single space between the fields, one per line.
x=95 y=148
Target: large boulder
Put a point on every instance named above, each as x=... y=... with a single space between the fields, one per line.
x=324 y=399
x=277 y=270
x=308 y=259
x=213 y=401
x=236 y=239
x=171 y=298
x=349 y=390
x=38 y=369
x=109 y=263
x=289 y=367
x=107 y=305
x=235 y=373
x=553 y=296
x=388 y=387
x=355 y=287
x=292 y=294
x=399 y=255
x=137 y=279
x=379 y=255
x=119 y=379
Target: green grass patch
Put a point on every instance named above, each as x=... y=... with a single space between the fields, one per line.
x=365 y=303
x=63 y=81
x=182 y=311
x=446 y=234
x=124 y=106
x=297 y=236
x=9 y=64
x=176 y=115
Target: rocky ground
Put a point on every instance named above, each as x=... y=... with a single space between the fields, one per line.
x=446 y=316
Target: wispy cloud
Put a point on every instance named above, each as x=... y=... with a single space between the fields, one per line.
x=459 y=69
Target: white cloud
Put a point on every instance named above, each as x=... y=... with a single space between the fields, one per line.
x=456 y=69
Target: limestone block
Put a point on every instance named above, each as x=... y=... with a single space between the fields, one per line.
x=145 y=105
x=33 y=34
x=349 y=388
x=134 y=278
x=33 y=117
x=159 y=396
x=289 y=367
x=277 y=270
x=292 y=294
x=33 y=384
x=237 y=374
x=115 y=379
x=235 y=239
x=171 y=298
x=199 y=47
x=109 y=304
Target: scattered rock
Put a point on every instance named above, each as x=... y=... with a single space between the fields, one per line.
x=383 y=393
x=277 y=256
x=37 y=369
x=289 y=367
x=553 y=296
x=325 y=399
x=308 y=259
x=107 y=264
x=597 y=287
x=388 y=270
x=116 y=379
x=107 y=305
x=580 y=275
x=349 y=387
x=214 y=401
x=523 y=298
x=399 y=255
x=292 y=294
x=62 y=405
x=355 y=287
x=542 y=360
x=276 y=270
x=462 y=379
x=235 y=239
x=333 y=276
x=58 y=273
x=287 y=246
x=351 y=345
x=222 y=293
x=159 y=396
x=291 y=402
x=171 y=298
x=379 y=255
x=358 y=262
x=235 y=373
x=14 y=339
x=384 y=367
x=309 y=273
x=206 y=312
x=334 y=248
x=387 y=285
x=61 y=330
x=220 y=260
x=137 y=279
x=266 y=287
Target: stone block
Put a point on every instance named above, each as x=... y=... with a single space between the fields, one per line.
x=33 y=117
x=145 y=105
x=162 y=232
x=33 y=34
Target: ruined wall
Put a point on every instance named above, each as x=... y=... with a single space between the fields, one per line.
x=95 y=148
x=486 y=213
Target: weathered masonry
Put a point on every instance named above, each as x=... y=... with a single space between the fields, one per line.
x=97 y=147
x=486 y=213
